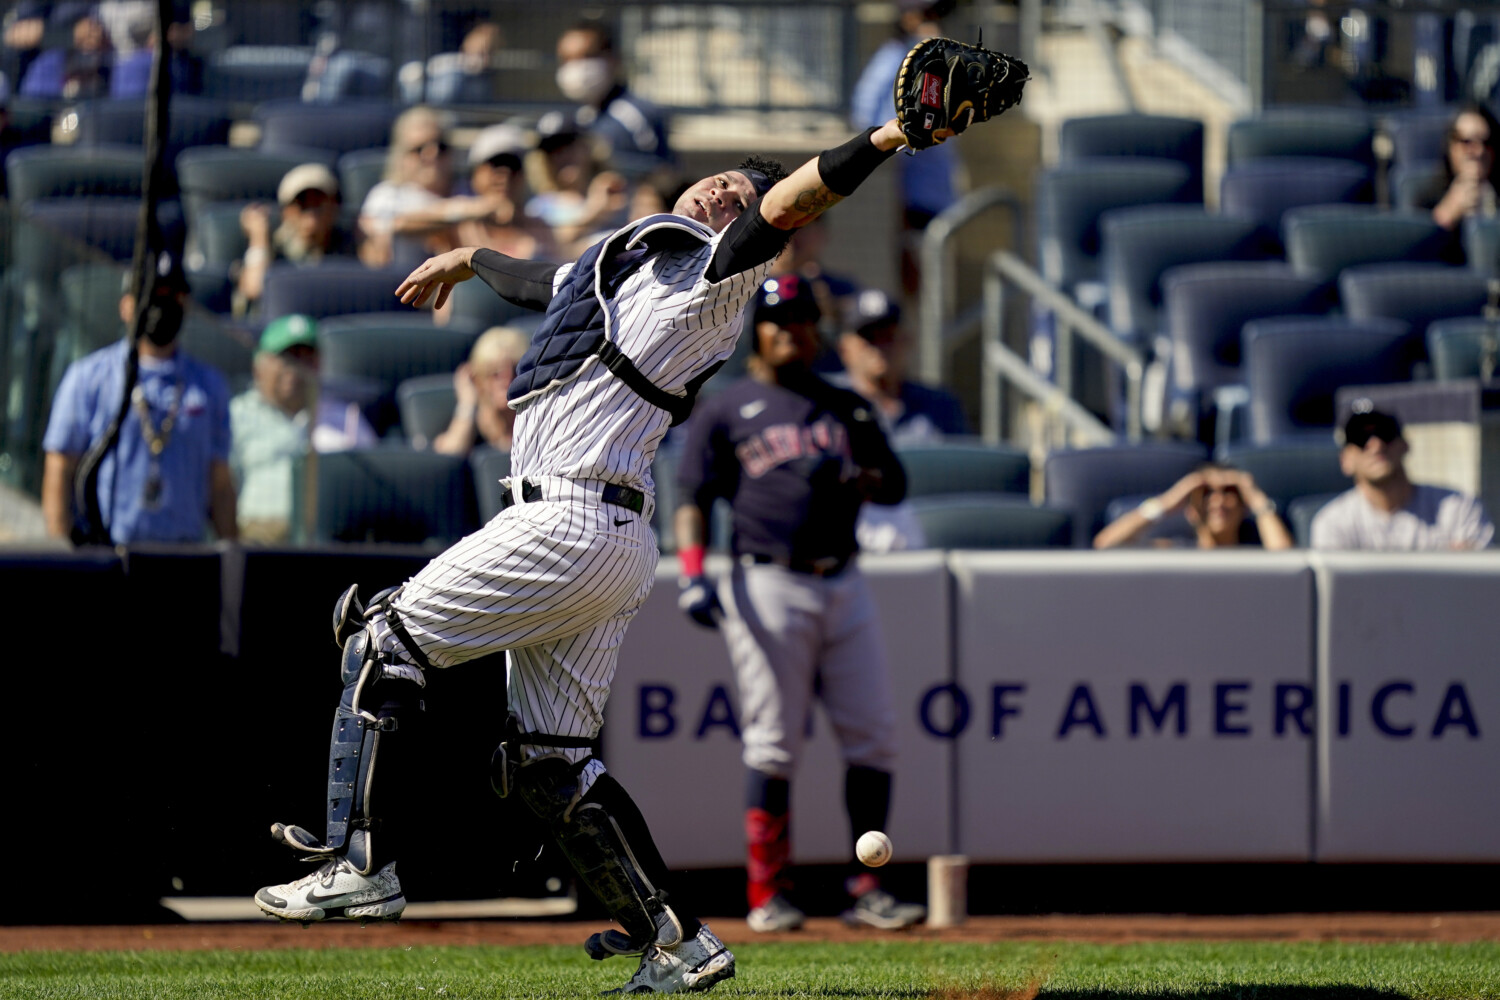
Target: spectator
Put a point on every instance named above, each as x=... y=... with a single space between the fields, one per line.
x=308 y=231
x=403 y=218
x=1214 y=499
x=463 y=77
x=804 y=257
x=131 y=77
x=496 y=217
x=1465 y=184
x=589 y=72
x=927 y=182
x=169 y=470
x=1386 y=511
x=483 y=415
x=78 y=72
x=875 y=351
x=575 y=195
x=270 y=427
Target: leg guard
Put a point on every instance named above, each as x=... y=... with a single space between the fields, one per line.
x=592 y=839
x=370 y=709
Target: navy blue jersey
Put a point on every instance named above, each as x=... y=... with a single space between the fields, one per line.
x=794 y=461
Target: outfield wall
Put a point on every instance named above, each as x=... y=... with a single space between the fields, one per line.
x=165 y=706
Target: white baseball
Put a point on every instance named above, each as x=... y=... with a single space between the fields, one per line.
x=873 y=848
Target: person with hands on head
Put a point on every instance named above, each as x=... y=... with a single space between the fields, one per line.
x=1465 y=185
x=1215 y=500
x=483 y=415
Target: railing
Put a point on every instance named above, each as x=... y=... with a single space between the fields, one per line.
x=999 y=362
x=939 y=283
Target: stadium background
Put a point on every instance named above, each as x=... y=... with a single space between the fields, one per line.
x=198 y=678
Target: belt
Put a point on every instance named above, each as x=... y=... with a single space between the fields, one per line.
x=620 y=496
x=825 y=567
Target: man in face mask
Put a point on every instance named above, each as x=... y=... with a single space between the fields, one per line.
x=588 y=71
x=169 y=472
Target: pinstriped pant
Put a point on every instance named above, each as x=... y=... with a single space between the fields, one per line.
x=554 y=582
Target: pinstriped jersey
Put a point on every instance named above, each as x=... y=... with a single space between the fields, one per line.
x=673 y=323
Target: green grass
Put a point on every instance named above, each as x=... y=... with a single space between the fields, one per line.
x=891 y=970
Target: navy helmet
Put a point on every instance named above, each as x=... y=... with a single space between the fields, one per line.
x=786 y=298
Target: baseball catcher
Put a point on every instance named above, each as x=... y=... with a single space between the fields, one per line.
x=945 y=86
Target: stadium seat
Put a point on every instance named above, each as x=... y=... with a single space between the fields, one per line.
x=1481 y=242
x=426 y=403
x=221 y=173
x=1085 y=480
x=359 y=171
x=1140 y=244
x=215 y=234
x=1264 y=190
x=476 y=303
x=1417 y=135
x=367 y=356
x=1156 y=137
x=192 y=121
x=90 y=298
x=332 y=288
x=964 y=467
x=229 y=348
x=1417 y=294
x=106 y=224
x=490 y=465
x=1323 y=240
x=1408 y=182
x=1331 y=133
x=1070 y=199
x=1464 y=348
x=256 y=73
x=211 y=286
x=1295 y=365
x=1300 y=514
x=1290 y=470
x=1204 y=308
x=990 y=521
x=394 y=495
x=69 y=172
x=338 y=128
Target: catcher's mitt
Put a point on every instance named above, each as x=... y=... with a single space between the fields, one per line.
x=945 y=86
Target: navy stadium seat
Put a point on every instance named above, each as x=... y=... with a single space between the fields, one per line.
x=476 y=303
x=1084 y=481
x=1264 y=190
x=1417 y=294
x=1295 y=365
x=339 y=128
x=1333 y=133
x=256 y=73
x=1481 y=242
x=1204 y=308
x=1464 y=348
x=1291 y=469
x=1323 y=240
x=106 y=224
x=964 y=467
x=72 y=172
x=426 y=403
x=332 y=288
x=1070 y=199
x=1300 y=514
x=1418 y=134
x=216 y=234
x=222 y=173
x=367 y=356
x=230 y=349
x=394 y=495
x=490 y=465
x=990 y=521
x=1157 y=137
x=192 y=121
x=1408 y=182
x=359 y=171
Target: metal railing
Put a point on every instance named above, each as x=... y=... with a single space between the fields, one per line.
x=939 y=283
x=999 y=362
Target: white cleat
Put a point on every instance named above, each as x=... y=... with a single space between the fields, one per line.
x=336 y=890
x=689 y=967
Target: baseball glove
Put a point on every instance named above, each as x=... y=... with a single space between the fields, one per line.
x=945 y=86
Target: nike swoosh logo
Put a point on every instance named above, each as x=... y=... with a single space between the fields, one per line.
x=626 y=521
x=749 y=410
x=313 y=897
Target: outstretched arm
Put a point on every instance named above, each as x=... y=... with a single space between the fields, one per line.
x=527 y=283
x=829 y=177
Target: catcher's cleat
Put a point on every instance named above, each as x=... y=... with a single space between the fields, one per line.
x=336 y=890
x=775 y=914
x=689 y=967
x=609 y=943
x=878 y=908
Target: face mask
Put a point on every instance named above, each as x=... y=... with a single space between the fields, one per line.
x=585 y=80
x=163 y=320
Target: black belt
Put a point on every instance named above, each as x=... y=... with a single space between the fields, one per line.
x=620 y=496
x=826 y=566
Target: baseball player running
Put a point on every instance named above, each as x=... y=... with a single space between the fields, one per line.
x=795 y=457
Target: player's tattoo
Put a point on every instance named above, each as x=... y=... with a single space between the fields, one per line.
x=815 y=200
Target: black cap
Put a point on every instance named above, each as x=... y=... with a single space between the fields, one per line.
x=872 y=310
x=786 y=298
x=1367 y=422
x=556 y=129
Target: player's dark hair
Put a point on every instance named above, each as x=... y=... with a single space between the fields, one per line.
x=771 y=168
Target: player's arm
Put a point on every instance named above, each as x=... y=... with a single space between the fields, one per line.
x=758 y=236
x=526 y=283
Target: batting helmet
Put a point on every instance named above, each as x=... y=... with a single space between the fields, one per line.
x=786 y=298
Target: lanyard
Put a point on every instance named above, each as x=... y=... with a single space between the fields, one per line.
x=156 y=437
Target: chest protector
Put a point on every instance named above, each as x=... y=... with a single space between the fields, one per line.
x=578 y=322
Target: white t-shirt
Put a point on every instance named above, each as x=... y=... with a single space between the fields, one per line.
x=1436 y=520
x=387 y=202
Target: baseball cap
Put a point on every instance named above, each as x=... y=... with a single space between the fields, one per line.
x=496 y=141
x=289 y=331
x=556 y=129
x=786 y=298
x=1364 y=424
x=307 y=177
x=872 y=310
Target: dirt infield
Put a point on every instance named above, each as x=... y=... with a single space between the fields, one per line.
x=1448 y=927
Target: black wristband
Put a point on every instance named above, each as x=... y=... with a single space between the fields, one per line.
x=844 y=168
x=527 y=283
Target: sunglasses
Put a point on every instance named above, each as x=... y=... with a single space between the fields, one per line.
x=1360 y=436
x=437 y=147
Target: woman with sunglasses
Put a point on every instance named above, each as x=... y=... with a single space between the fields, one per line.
x=1465 y=184
x=1215 y=499
x=403 y=219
